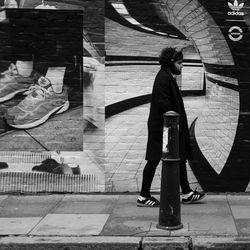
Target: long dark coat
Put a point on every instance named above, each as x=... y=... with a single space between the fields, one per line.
x=166 y=97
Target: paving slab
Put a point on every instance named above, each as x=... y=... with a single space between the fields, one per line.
x=211 y=216
x=91 y=204
x=240 y=206
x=28 y=206
x=243 y=226
x=21 y=226
x=122 y=226
x=128 y=219
x=154 y=231
x=241 y=211
x=207 y=225
x=70 y=224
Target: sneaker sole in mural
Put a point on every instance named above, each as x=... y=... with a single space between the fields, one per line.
x=57 y=110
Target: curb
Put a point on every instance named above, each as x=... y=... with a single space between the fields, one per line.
x=219 y=243
x=69 y=243
x=169 y=243
x=123 y=243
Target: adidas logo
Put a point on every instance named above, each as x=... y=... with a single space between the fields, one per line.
x=235 y=7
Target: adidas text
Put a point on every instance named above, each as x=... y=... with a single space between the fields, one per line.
x=235 y=13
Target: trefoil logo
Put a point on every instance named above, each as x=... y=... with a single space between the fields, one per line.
x=235 y=7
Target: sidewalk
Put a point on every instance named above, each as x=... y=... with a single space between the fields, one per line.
x=107 y=221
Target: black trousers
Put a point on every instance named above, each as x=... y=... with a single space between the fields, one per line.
x=50 y=38
x=149 y=172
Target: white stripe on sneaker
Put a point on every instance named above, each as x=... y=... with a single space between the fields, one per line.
x=150 y=203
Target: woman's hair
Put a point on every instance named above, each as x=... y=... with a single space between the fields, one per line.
x=170 y=55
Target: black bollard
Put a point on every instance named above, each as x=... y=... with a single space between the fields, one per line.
x=169 y=214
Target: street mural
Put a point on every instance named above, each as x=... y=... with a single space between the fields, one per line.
x=234 y=174
x=51 y=58
x=54 y=62
x=214 y=36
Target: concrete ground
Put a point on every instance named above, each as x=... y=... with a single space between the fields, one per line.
x=96 y=221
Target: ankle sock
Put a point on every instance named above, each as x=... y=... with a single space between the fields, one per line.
x=10 y=4
x=24 y=68
x=56 y=76
x=141 y=198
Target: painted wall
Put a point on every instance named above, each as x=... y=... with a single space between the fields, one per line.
x=103 y=70
x=214 y=34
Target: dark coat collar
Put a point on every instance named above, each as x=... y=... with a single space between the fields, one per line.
x=166 y=69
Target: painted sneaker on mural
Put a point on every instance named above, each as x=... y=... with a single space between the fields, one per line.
x=47 y=166
x=12 y=83
x=10 y=4
x=45 y=6
x=66 y=169
x=52 y=166
x=3 y=165
x=41 y=102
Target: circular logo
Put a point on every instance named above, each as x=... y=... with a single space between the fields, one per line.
x=235 y=33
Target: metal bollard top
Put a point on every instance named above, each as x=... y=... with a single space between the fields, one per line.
x=171 y=113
